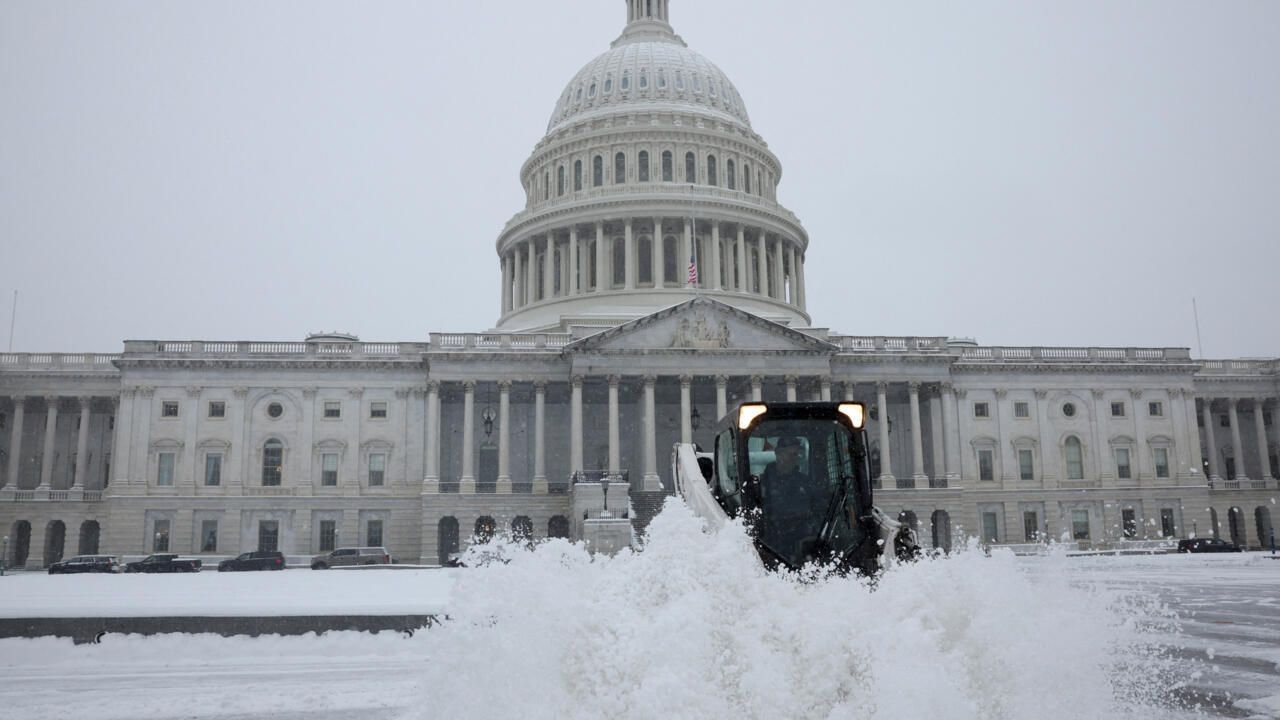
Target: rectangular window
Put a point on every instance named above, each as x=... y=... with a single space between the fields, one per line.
x=1026 y=465
x=1021 y=410
x=373 y=533
x=1117 y=409
x=1231 y=468
x=329 y=469
x=328 y=535
x=1162 y=462
x=2 y=421
x=981 y=410
x=1031 y=525
x=164 y=473
x=1167 y=528
x=217 y=409
x=1224 y=421
x=378 y=409
x=1129 y=519
x=268 y=535
x=986 y=465
x=377 y=469
x=1123 y=470
x=160 y=538
x=1155 y=409
x=332 y=409
x=209 y=536
x=1080 y=524
x=213 y=469
x=169 y=409
x=990 y=527
x=1266 y=419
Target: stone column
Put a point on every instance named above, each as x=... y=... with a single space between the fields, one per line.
x=50 y=434
x=722 y=396
x=600 y=257
x=504 y=437
x=629 y=253
x=506 y=283
x=686 y=407
x=651 y=479
x=936 y=450
x=518 y=280
x=848 y=392
x=824 y=388
x=1193 y=434
x=659 y=255
x=917 y=434
x=791 y=266
x=540 y=437
x=886 y=461
x=779 y=291
x=188 y=471
x=15 y=441
x=467 y=483
x=950 y=433
x=757 y=388
x=762 y=269
x=531 y=272
x=575 y=424
x=715 y=256
x=615 y=447
x=1141 y=465
x=799 y=270
x=1264 y=460
x=1214 y=474
x=743 y=283
x=549 y=268
x=82 y=445
x=433 y=432
x=575 y=276
x=1237 y=447
x=791 y=387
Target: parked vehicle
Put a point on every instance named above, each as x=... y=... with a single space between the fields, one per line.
x=86 y=564
x=257 y=560
x=1207 y=545
x=345 y=557
x=164 y=563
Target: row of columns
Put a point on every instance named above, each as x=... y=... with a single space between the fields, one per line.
x=1237 y=445
x=50 y=435
x=777 y=259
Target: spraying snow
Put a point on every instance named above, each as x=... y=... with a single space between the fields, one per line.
x=692 y=626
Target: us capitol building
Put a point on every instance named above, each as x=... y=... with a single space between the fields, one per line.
x=651 y=282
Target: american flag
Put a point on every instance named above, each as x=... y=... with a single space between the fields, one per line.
x=693 y=270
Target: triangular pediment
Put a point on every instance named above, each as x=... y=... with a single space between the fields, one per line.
x=704 y=325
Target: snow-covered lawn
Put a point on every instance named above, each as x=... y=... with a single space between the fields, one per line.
x=688 y=628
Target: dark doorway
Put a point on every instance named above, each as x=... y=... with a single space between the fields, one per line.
x=55 y=541
x=446 y=539
x=89 y=533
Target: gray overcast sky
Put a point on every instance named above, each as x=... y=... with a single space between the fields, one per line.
x=1065 y=173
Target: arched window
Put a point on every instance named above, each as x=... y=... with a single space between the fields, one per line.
x=486 y=527
x=642 y=166
x=760 y=183
x=608 y=83
x=669 y=260
x=645 y=266
x=89 y=534
x=731 y=180
x=644 y=79
x=1235 y=525
x=712 y=85
x=1262 y=521
x=679 y=81
x=558 y=527
x=522 y=529
x=560 y=180
x=1075 y=459
x=711 y=171
x=619 y=261
x=626 y=80
x=1214 y=525
x=662 y=79
x=597 y=171
x=746 y=178
x=668 y=169
x=697 y=82
x=272 y=463
x=55 y=542
x=591 y=92
x=578 y=96
x=619 y=168
x=690 y=168
x=447 y=540
x=21 y=548
x=577 y=175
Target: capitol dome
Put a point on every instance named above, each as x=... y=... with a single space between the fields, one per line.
x=649 y=188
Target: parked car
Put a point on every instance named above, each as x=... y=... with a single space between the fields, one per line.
x=257 y=560
x=343 y=557
x=164 y=563
x=86 y=564
x=1207 y=545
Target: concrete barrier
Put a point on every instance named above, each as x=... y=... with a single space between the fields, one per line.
x=92 y=630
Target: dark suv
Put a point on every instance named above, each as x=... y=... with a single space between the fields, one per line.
x=1207 y=545
x=346 y=557
x=86 y=564
x=258 y=560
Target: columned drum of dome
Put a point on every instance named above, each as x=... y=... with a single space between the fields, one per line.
x=650 y=187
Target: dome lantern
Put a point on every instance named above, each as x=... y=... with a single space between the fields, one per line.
x=647 y=11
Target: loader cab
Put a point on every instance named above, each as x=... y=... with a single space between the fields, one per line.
x=797 y=474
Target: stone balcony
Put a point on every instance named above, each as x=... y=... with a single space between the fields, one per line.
x=54 y=362
x=10 y=494
x=252 y=350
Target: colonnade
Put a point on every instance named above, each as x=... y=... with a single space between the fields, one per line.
x=1210 y=413
x=52 y=408
x=654 y=253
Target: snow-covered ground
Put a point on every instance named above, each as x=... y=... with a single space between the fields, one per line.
x=691 y=627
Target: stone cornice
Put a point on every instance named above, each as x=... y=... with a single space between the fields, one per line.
x=967 y=367
x=413 y=363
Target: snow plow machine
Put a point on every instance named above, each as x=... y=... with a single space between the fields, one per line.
x=798 y=475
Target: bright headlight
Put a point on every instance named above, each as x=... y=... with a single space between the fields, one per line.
x=748 y=413
x=855 y=413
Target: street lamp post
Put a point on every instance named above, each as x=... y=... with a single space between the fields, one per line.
x=5 y=556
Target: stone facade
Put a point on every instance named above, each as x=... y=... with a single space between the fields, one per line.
x=608 y=349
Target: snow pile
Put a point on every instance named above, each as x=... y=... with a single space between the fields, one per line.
x=693 y=627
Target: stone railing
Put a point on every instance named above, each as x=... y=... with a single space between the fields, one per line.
x=883 y=344
x=218 y=350
x=678 y=193
x=35 y=495
x=58 y=361
x=1239 y=367
x=499 y=341
x=595 y=476
x=271 y=491
x=1073 y=354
